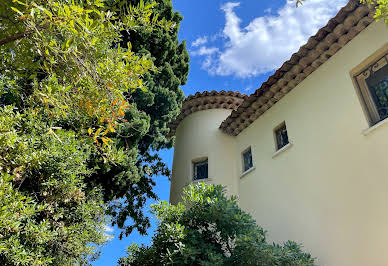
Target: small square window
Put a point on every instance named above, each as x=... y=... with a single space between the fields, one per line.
x=247 y=159
x=373 y=88
x=281 y=136
x=200 y=170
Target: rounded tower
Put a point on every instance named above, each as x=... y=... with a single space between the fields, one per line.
x=202 y=152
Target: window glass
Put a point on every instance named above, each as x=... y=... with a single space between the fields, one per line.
x=281 y=136
x=377 y=83
x=247 y=160
x=372 y=86
x=200 y=170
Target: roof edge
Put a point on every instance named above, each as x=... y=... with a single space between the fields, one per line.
x=349 y=21
x=205 y=101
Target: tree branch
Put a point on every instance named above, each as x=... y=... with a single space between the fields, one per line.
x=14 y=37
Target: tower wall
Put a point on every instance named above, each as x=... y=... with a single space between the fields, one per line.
x=198 y=137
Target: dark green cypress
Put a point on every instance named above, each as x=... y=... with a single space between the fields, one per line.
x=146 y=132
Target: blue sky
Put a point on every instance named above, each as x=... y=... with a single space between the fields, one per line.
x=233 y=46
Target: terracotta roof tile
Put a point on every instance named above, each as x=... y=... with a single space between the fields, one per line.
x=207 y=100
x=341 y=29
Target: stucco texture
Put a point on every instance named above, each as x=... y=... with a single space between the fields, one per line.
x=197 y=137
x=329 y=190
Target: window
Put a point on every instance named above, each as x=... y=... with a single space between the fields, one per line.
x=281 y=136
x=372 y=82
x=247 y=159
x=200 y=170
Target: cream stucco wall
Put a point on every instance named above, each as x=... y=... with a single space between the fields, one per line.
x=329 y=190
x=198 y=136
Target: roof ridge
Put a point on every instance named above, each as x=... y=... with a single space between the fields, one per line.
x=216 y=93
x=207 y=100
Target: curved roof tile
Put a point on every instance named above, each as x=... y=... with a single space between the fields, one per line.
x=349 y=21
x=207 y=100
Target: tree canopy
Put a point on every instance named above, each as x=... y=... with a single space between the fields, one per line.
x=152 y=110
x=381 y=9
x=208 y=228
x=69 y=128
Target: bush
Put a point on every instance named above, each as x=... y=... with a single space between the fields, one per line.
x=208 y=228
x=46 y=215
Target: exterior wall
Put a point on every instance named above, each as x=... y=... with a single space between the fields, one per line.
x=329 y=190
x=198 y=136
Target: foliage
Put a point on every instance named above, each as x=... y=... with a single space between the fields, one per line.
x=381 y=9
x=68 y=130
x=299 y=2
x=17 y=211
x=208 y=228
x=163 y=98
x=70 y=44
x=151 y=111
x=46 y=216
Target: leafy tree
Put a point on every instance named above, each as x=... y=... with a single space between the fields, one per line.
x=152 y=110
x=65 y=121
x=163 y=98
x=208 y=228
x=381 y=9
x=46 y=215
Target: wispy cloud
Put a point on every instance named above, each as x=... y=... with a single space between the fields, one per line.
x=209 y=55
x=109 y=232
x=267 y=41
x=199 y=41
x=205 y=51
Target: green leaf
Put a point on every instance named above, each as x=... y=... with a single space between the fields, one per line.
x=17 y=10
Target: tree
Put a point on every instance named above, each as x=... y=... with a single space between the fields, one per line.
x=208 y=228
x=152 y=110
x=65 y=81
x=163 y=98
x=46 y=215
x=381 y=9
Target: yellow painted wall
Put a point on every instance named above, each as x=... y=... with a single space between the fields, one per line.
x=198 y=136
x=329 y=190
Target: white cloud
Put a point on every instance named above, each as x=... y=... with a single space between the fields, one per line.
x=108 y=232
x=199 y=41
x=108 y=229
x=209 y=55
x=205 y=51
x=267 y=41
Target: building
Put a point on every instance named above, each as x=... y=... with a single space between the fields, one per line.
x=307 y=152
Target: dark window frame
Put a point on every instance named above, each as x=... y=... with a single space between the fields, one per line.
x=200 y=163
x=366 y=82
x=249 y=165
x=281 y=136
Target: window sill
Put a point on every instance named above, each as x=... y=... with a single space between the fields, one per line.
x=247 y=171
x=368 y=131
x=289 y=145
x=201 y=180
x=206 y=180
